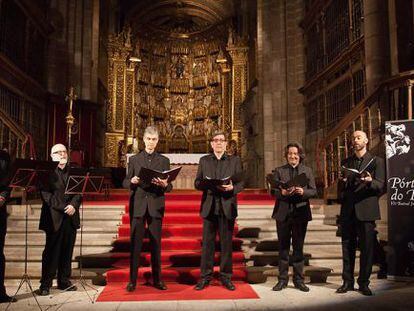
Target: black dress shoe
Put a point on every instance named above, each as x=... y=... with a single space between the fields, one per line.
x=43 y=291
x=365 y=290
x=227 y=283
x=279 y=286
x=7 y=298
x=69 y=287
x=131 y=287
x=203 y=283
x=345 y=288
x=160 y=285
x=301 y=286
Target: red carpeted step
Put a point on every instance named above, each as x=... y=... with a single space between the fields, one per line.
x=172 y=206
x=170 y=230
x=122 y=244
x=174 y=259
x=174 y=218
x=116 y=292
x=186 y=275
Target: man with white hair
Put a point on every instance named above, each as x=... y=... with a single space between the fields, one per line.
x=59 y=219
x=146 y=206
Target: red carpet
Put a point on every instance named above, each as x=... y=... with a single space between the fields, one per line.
x=181 y=253
x=175 y=291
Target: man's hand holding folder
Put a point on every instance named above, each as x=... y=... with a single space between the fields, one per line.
x=293 y=186
x=222 y=184
x=363 y=174
x=158 y=178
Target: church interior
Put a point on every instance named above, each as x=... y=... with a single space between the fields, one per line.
x=93 y=74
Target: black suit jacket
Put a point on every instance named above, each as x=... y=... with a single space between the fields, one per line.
x=363 y=197
x=301 y=206
x=54 y=202
x=143 y=196
x=206 y=167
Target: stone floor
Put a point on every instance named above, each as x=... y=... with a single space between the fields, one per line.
x=389 y=295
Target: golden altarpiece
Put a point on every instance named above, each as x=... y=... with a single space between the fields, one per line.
x=186 y=88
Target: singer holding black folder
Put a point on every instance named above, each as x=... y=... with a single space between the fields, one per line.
x=292 y=213
x=358 y=194
x=146 y=206
x=59 y=219
x=218 y=208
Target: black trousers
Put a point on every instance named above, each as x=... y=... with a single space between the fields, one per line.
x=364 y=231
x=3 y=230
x=212 y=225
x=294 y=230
x=57 y=255
x=137 y=239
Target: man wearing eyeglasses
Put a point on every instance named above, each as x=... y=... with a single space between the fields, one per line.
x=146 y=206
x=59 y=219
x=218 y=209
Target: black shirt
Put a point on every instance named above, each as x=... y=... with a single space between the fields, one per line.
x=63 y=174
x=358 y=162
x=219 y=168
x=149 y=157
x=293 y=171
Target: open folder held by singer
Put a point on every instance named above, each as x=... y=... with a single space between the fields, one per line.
x=147 y=174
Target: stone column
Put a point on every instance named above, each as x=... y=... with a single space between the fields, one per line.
x=376 y=42
x=238 y=52
x=280 y=58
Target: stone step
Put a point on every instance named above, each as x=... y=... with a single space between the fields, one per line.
x=269 y=220
x=86 y=229
x=88 y=210
x=35 y=273
x=316 y=238
x=269 y=233
x=255 y=216
x=324 y=251
x=336 y=270
x=261 y=259
x=35 y=252
x=105 y=239
x=33 y=223
x=89 y=239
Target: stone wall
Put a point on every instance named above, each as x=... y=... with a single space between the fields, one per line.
x=280 y=73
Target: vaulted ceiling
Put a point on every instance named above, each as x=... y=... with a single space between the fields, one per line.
x=178 y=18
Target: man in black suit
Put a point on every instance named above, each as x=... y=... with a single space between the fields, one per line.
x=4 y=195
x=59 y=219
x=358 y=194
x=292 y=213
x=218 y=209
x=146 y=206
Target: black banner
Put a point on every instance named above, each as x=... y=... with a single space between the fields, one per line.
x=399 y=135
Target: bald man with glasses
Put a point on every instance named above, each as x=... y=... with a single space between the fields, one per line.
x=59 y=219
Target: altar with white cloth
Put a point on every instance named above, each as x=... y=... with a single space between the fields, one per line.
x=189 y=164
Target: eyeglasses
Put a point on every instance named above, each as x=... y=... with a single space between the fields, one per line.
x=218 y=140
x=60 y=152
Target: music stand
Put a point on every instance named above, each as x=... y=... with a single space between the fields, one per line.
x=28 y=175
x=83 y=181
